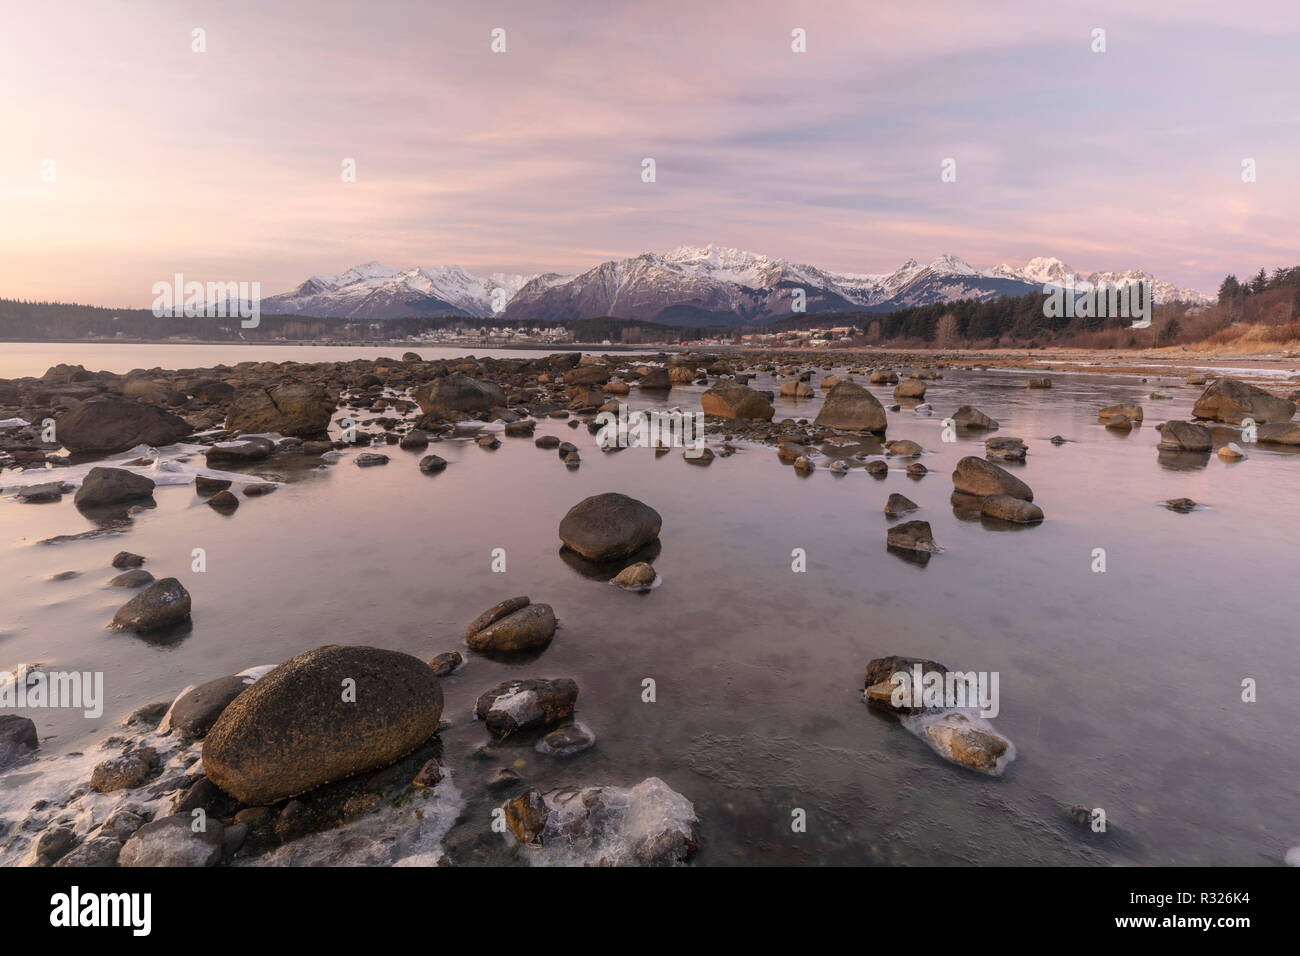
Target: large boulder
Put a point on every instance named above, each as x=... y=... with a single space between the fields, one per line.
x=299 y=409
x=457 y=395
x=108 y=425
x=161 y=604
x=321 y=716
x=609 y=526
x=1184 y=436
x=729 y=400
x=850 y=407
x=975 y=476
x=1279 y=433
x=111 y=486
x=1228 y=400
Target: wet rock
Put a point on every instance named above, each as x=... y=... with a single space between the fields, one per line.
x=1183 y=505
x=698 y=456
x=172 y=841
x=969 y=742
x=909 y=388
x=123 y=773
x=1039 y=381
x=51 y=845
x=804 y=464
x=526 y=816
x=196 y=709
x=489 y=442
x=850 y=407
x=240 y=452
x=429 y=775
x=1007 y=508
x=1005 y=449
x=1231 y=452
x=521 y=429
x=975 y=476
x=458 y=395
x=567 y=741
x=259 y=488
x=877 y=469
x=1278 y=433
x=432 y=464
x=656 y=379
x=729 y=400
x=293 y=730
x=546 y=441
x=1229 y=400
x=299 y=409
x=609 y=526
x=444 y=664
x=125 y=559
x=796 y=389
x=516 y=705
x=529 y=628
x=132 y=579
x=636 y=577
x=205 y=486
x=912 y=536
x=1130 y=411
x=97 y=852
x=111 y=486
x=43 y=493
x=369 y=459
x=1184 y=436
x=223 y=501
x=1119 y=423
x=17 y=739
x=1057 y=440
x=904 y=448
x=161 y=604
x=108 y=425
x=899 y=505
x=970 y=417
x=146 y=716
x=917 y=470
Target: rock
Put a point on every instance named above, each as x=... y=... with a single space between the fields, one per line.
x=521 y=429
x=299 y=409
x=883 y=376
x=1228 y=400
x=240 y=452
x=877 y=468
x=608 y=526
x=917 y=470
x=1184 y=436
x=111 y=486
x=567 y=741
x=1057 y=440
x=414 y=440
x=429 y=775
x=488 y=441
x=1129 y=411
x=1119 y=423
x=912 y=536
x=1231 y=452
x=1039 y=381
x=516 y=705
x=172 y=841
x=1278 y=433
x=909 y=388
x=1183 y=505
x=796 y=389
x=657 y=379
x=1005 y=449
x=850 y=407
x=206 y=486
x=547 y=441
x=411 y=357
x=698 y=456
x=161 y=604
x=108 y=425
x=975 y=476
x=137 y=578
x=970 y=417
x=904 y=448
x=956 y=737
x=123 y=773
x=636 y=577
x=1007 y=508
x=369 y=459
x=211 y=390
x=41 y=494
x=432 y=464
x=293 y=731
x=804 y=464
x=224 y=502
x=444 y=664
x=458 y=395
x=729 y=400
x=259 y=488
x=526 y=816
x=899 y=505
x=17 y=738
x=530 y=628
x=196 y=709
x=96 y=852
x=125 y=559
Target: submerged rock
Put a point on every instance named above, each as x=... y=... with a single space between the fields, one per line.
x=912 y=536
x=567 y=741
x=964 y=739
x=321 y=716
x=636 y=577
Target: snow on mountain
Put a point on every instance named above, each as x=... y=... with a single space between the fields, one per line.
x=689 y=285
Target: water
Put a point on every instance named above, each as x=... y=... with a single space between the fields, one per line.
x=1121 y=690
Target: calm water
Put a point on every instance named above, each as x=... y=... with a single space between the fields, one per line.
x=1121 y=690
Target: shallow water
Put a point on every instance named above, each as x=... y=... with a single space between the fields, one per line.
x=1121 y=690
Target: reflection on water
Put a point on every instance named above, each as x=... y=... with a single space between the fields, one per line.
x=1121 y=689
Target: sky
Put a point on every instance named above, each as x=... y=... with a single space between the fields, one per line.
x=227 y=164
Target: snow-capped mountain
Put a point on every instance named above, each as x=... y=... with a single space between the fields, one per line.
x=690 y=285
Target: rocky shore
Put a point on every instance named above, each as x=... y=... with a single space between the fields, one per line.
x=260 y=767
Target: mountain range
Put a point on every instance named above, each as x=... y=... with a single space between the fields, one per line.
x=691 y=285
